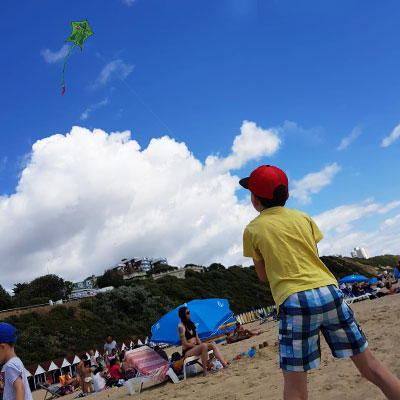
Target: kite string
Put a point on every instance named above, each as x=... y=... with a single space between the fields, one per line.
x=66 y=58
x=143 y=102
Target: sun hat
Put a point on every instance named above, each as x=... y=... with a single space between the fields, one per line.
x=7 y=333
x=264 y=180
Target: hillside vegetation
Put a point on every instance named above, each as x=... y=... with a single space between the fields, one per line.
x=130 y=310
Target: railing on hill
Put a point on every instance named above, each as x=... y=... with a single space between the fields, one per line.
x=36 y=306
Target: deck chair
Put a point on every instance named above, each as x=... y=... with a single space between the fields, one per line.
x=265 y=318
x=51 y=391
x=150 y=367
x=191 y=361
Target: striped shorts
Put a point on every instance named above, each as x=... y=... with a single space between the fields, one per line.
x=303 y=315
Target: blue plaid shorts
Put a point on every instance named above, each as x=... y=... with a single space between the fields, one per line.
x=303 y=315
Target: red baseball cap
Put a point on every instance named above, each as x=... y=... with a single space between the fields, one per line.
x=264 y=180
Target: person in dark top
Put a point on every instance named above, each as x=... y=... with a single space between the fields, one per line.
x=161 y=352
x=192 y=345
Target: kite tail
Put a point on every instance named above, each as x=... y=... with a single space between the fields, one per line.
x=66 y=58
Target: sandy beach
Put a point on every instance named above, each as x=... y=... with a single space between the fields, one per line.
x=261 y=378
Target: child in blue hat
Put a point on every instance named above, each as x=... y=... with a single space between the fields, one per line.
x=13 y=382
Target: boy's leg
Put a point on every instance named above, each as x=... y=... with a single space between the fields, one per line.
x=373 y=370
x=295 y=385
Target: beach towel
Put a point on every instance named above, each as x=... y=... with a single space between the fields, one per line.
x=148 y=363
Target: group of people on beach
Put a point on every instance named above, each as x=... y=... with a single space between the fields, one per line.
x=384 y=286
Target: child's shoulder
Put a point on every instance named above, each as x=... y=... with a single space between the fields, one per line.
x=14 y=363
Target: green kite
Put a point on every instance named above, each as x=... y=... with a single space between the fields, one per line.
x=80 y=32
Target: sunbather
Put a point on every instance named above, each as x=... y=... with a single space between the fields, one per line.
x=240 y=334
x=192 y=345
x=67 y=380
x=391 y=289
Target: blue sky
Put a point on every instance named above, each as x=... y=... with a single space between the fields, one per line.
x=323 y=76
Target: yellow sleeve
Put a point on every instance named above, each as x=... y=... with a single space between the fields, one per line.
x=249 y=249
x=316 y=232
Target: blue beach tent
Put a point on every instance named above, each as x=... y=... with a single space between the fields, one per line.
x=353 y=279
x=209 y=315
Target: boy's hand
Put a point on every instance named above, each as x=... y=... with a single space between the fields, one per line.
x=259 y=265
x=19 y=389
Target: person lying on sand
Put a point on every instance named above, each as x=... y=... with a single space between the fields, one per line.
x=391 y=289
x=240 y=334
x=192 y=345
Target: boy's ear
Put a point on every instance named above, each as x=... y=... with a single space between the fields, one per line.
x=254 y=201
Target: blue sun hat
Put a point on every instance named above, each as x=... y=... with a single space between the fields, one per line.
x=7 y=333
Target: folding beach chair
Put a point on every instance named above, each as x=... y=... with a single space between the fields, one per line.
x=150 y=366
x=52 y=391
x=191 y=361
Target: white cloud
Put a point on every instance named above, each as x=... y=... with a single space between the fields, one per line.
x=341 y=236
x=354 y=134
x=313 y=183
x=87 y=199
x=388 y=140
x=391 y=221
x=114 y=69
x=340 y=217
x=388 y=207
x=93 y=107
x=52 y=57
x=252 y=144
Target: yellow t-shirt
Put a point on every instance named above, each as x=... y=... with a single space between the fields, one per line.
x=286 y=240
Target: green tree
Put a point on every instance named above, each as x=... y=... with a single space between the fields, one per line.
x=110 y=278
x=39 y=291
x=5 y=299
x=216 y=267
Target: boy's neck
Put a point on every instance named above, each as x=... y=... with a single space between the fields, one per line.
x=10 y=354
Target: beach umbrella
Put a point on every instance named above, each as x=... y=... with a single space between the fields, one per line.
x=373 y=281
x=208 y=315
x=353 y=279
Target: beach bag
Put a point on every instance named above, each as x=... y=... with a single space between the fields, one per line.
x=129 y=374
x=191 y=370
x=216 y=365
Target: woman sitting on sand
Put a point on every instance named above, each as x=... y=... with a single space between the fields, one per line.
x=192 y=345
x=114 y=369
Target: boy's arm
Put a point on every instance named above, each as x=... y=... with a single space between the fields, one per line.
x=259 y=265
x=19 y=389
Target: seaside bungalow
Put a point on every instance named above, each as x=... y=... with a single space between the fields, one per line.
x=63 y=368
x=51 y=368
x=30 y=378
x=73 y=360
x=67 y=366
x=38 y=374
